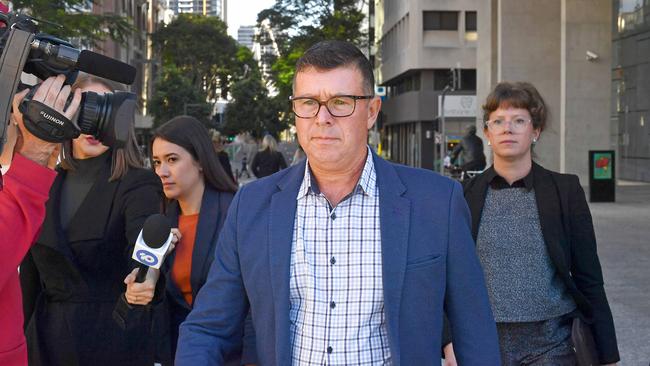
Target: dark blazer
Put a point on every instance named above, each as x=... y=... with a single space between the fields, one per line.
x=73 y=278
x=214 y=206
x=568 y=232
x=429 y=262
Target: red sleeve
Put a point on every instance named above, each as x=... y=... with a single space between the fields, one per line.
x=25 y=190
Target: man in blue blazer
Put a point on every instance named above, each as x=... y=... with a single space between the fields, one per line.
x=344 y=259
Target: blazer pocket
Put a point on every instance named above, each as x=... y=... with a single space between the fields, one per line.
x=423 y=262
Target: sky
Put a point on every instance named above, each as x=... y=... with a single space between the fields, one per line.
x=244 y=12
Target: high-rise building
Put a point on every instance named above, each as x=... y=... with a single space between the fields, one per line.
x=217 y=8
x=246 y=36
x=417 y=43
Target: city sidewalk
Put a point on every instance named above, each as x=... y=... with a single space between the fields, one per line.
x=623 y=235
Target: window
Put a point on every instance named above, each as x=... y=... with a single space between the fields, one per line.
x=440 y=20
x=468 y=79
x=440 y=78
x=470 y=21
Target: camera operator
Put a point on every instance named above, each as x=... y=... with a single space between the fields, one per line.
x=22 y=209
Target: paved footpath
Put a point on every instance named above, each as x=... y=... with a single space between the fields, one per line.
x=623 y=235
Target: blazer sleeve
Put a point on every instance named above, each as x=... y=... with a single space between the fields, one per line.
x=212 y=333
x=142 y=198
x=467 y=305
x=30 y=284
x=587 y=274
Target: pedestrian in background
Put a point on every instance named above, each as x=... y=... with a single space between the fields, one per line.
x=199 y=193
x=222 y=155
x=470 y=152
x=268 y=160
x=73 y=276
x=535 y=240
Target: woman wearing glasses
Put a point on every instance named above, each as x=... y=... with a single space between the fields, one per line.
x=535 y=239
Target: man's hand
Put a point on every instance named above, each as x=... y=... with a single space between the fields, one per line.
x=53 y=94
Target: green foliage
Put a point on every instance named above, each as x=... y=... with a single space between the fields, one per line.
x=75 y=22
x=299 y=24
x=200 y=47
x=176 y=95
x=252 y=110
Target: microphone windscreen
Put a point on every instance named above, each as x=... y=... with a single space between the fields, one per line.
x=106 y=67
x=155 y=231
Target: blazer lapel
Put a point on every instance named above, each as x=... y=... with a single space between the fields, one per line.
x=394 y=217
x=205 y=240
x=548 y=207
x=92 y=216
x=475 y=197
x=280 y=236
x=52 y=234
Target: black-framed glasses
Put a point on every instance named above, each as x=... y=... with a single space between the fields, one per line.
x=338 y=106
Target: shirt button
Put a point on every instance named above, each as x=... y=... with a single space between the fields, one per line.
x=330 y=350
x=333 y=261
x=333 y=216
x=332 y=304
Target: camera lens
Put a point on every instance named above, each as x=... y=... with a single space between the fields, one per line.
x=95 y=111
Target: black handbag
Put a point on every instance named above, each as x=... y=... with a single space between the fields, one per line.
x=583 y=343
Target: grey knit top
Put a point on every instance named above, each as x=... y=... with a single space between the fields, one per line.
x=522 y=282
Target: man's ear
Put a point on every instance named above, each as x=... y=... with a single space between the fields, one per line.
x=374 y=106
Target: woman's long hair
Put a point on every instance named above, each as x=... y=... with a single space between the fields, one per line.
x=269 y=143
x=122 y=158
x=190 y=134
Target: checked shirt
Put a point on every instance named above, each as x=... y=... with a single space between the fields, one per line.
x=336 y=291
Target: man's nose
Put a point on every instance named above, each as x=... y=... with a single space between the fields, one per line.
x=324 y=116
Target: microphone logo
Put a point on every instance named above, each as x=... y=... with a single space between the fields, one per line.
x=146 y=258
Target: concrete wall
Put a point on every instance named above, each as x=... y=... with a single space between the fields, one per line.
x=545 y=43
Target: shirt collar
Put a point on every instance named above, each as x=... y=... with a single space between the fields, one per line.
x=498 y=182
x=366 y=185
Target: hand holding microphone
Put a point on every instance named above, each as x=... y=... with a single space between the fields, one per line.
x=155 y=241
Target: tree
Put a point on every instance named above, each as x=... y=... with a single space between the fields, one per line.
x=199 y=46
x=252 y=110
x=70 y=19
x=176 y=95
x=297 y=25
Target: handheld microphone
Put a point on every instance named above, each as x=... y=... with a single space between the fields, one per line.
x=152 y=244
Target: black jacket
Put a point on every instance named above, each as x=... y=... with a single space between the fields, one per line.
x=568 y=232
x=267 y=162
x=72 y=279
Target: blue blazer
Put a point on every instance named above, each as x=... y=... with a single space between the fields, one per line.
x=429 y=263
